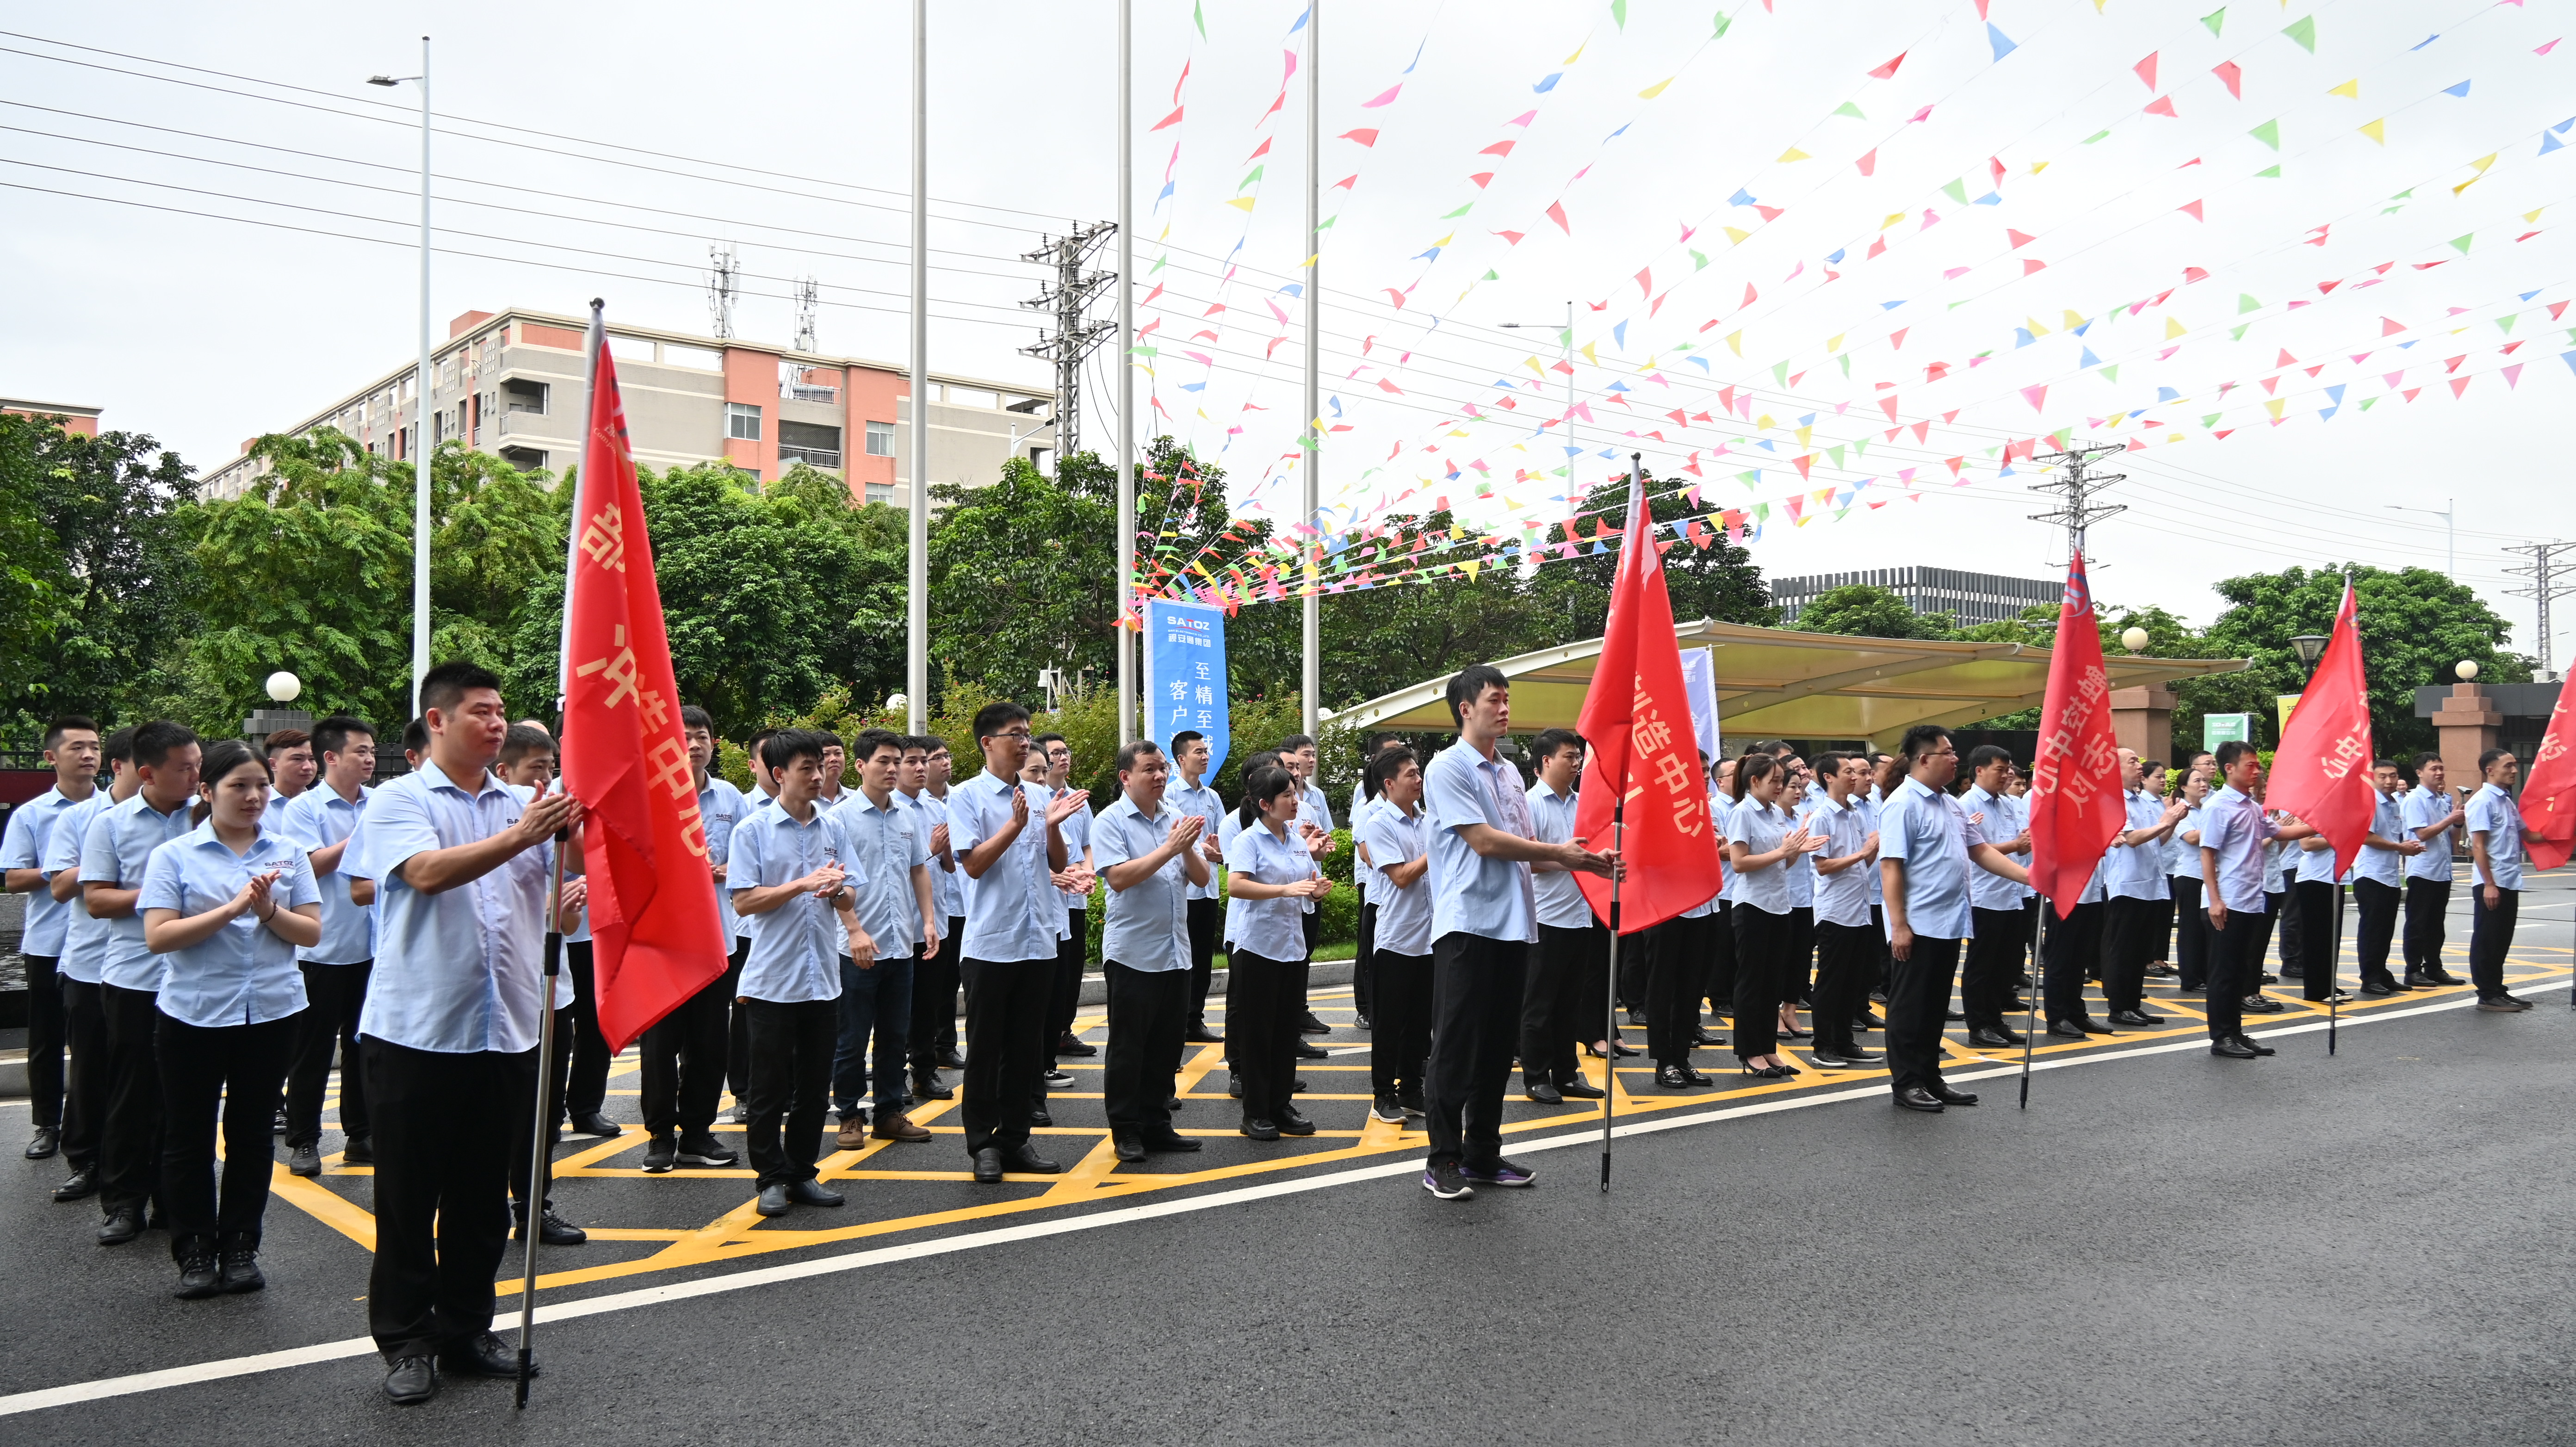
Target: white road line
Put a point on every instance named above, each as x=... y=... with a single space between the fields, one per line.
x=78 y=1392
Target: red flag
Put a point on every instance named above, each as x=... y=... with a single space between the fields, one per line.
x=1637 y=719
x=655 y=936
x=2549 y=787
x=2321 y=772
x=2076 y=803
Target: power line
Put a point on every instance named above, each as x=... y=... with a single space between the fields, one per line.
x=2080 y=512
x=1069 y=296
x=2548 y=581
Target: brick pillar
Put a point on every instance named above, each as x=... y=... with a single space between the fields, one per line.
x=2468 y=725
x=2142 y=719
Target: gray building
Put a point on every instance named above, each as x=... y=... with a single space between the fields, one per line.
x=1971 y=598
x=510 y=383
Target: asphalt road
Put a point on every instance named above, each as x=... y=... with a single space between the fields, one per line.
x=2165 y=1248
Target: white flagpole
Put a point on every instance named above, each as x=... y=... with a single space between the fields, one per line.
x=916 y=669
x=1127 y=637
x=423 y=451
x=1311 y=607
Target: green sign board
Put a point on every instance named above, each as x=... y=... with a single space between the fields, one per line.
x=2220 y=728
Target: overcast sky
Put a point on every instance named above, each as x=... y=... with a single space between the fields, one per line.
x=783 y=129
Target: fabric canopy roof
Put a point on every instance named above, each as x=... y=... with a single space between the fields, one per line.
x=1773 y=683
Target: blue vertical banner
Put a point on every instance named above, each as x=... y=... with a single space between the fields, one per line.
x=1185 y=675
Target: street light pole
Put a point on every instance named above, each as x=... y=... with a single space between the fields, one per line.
x=916 y=669
x=422 y=450
x=2449 y=514
x=1310 y=675
x=1126 y=636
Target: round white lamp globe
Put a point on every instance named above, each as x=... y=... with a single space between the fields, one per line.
x=284 y=686
x=897 y=702
x=2134 y=640
x=2468 y=669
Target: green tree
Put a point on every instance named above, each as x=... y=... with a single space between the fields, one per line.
x=1863 y=610
x=1718 y=582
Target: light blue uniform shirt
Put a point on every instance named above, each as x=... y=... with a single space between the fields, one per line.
x=2003 y=821
x=947 y=892
x=2493 y=812
x=462 y=970
x=796 y=948
x=1363 y=871
x=1718 y=805
x=1403 y=915
x=2184 y=861
x=2316 y=866
x=22 y=846
x=2383 y=866
x=1076 y=834
x=1470 y=893
x=2423 y=807
x=1561 y=904
x=119 y=844
x=1014 y=912
x=244 y=973
x=721 y=806
x=1202 y=801
x=885 y=844
x=1930 y=832
x=84 y=938
x=1147 y=924
x=1272 y=928
x=1843 y=897
x=318 y=819
x=2234 y=828
x=1314 y=806
x=1760 y=827
x=2136 y=871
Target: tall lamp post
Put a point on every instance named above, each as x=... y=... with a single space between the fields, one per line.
x=422 y=448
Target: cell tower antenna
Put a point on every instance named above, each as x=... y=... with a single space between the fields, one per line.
x=725 y=272
x=809 y=300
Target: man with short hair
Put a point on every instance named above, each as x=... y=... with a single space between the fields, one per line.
x=293 y=765
x=1010 y=842
x=449 y=1034
x=1926 y=847
x=1483 y=921
x=764 y=792
x=1051 y=760
x=890 y=873
x=836 y=763
x=1148 y=854
x=119 y=843
x=1206 y=900
x=2233 y=832
x=933 y=1037
x=684 y=1055
x=1364 y=873
x=1995 y=952
x=1315 y=823
x=2495 y=878
x=71 y=750
x=1572 y=943
x=321 y=821
x=1847 y=941
x=2432 y=813
x=2134 y=880
x=84 y=957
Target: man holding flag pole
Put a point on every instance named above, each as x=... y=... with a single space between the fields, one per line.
x=2322 y=774
x=2549 y=792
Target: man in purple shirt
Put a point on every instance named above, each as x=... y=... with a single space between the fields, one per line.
x=2233 y=830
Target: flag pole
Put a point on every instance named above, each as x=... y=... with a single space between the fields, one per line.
x=2030 y=1004
x=1618 y=826
x=2334 y=974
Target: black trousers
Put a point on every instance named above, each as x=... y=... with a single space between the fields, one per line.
x=1794 y=972
x=1365 y=957
x=44 y=1040
x=586 y=1089
x=1475 y=997
x=2191 y=943
x=237 y=1070
x=334 y=995
x=2427 y=901
x=1207 y=921
x=2320 y=913
x=2160 y=930
x=2274 y=908
x=445 y=1128
x=1636 y=956
x=791 y=1083
x=1314 y=927
x=2377 y=903
x=2235 y=968
x=738 y=1038
x=1559 y=998
x=1064 y=996
x=1994 y=964
x=2074 y=943
x=1149 y=1011
x=2290 y=924
x=2490 y=936
x=934 y=1003
x=1263 y=1005
x=1846 y=966
x=2129 y=941
x=1674 y=969
x=86 y=1082
x=685 y=1053
x=558 y=1071
x=129 y=1148
x=1918 y=1000
x=1718 y=988
x=1400 y=1043
x=1762 y=944
x=1006 y=1048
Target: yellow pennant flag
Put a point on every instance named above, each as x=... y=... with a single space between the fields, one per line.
x=2377 y=130
x=1735 y=343
x=1652 y=91
x=2349 y=90
x=1736 y=235
x=2174 y=328
x=1792 y=154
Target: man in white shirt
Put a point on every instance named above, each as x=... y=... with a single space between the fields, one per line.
x=71 y=750
x=1051 y=766
x=1206 y=902
x=1314 y=822
x=933 y=1042
x=2433 y=813
x=323 y=819
x=1149 y=855
x=2495 y=878
x=685 y=1054
x=2378 y=876
x=2134 y=879
x=1573 y=944
x=1996 y=956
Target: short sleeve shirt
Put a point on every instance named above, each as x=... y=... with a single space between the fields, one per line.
x=2186 y=858
x=1014 y=912
x=1204 y=802
x=1403 y=915
x=84 y=938
x=120 y=843
x=1930 y=832
x=796 y=948
x=721 y=806
x=318 y=819
x=1472 y=894
x=885 y=844
x=1272 y=928
x=1760 y=827
x=22 y=846
x=2136 y=871
x=459 y=971
x=1842 y=897
x=244 y=973
x=2383 y=866
x=2003 y=821
x=2234 y=828
x=2425 y=807
x=2492 y=812
x=1561 y=904
x=1148 y=923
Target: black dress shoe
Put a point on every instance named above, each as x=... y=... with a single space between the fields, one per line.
x=2258 y=1048
x=198 y=1276
x=2136 y=1019
x=1308 y=1051
x=1579 y=1089
x=304 y=1160
x=1259 y=1128
x=410 y=1381
x=813 y=1193
x=1948 y=1096
x=1915 y=1097
x=1847 y=1059
x=929 y=1088
x=122 y=1225
x=1544 y=1092
x=1292 y=1121
x=1954 y=1016
x=81 y=1186
x=1312 y=1026
x=2231 y=1048
x=1069 y=1043
x=1707 y=1037
x=2015 y=1003
x=1041 y=1116
x=1868 y=1020
x=1174 y=1141
x=359 y=1151
x=949 y=1059
x=241 y=1271
x=2067 y=1030
x=2263 y=1005
x=773 y=1198
x=592 y=1124
x=1127 y=1147
x=988 y=1168
x=44 y=1143
x=552 y=1229
x=483 y=1354
x=1233 y=1085
x=1200 y=1034
x=1987 y=1037
x=2378 y=989
x=1024 y=1157
x=1636 y=1015
x=2091 y=1026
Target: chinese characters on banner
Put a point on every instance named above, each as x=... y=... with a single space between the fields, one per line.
x=2321 y=772
x=2549 y=787
x=2075 y=799
x=1185 y=675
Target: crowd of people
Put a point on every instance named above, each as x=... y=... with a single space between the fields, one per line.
x=217 y=925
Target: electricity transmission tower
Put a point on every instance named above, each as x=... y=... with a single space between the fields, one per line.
x=2548 y=580
x=720 y=287
x=2078 y=488
x=809 y=299
x=1069 y=295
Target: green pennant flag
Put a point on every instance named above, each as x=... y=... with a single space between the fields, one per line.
x=1780 y=373
x=1619 y=12
x=2269 y=133
x=1461 y=211
x=2304 y=31
x=1956 y=190
x=1698 y=261
x=1835 y=453
x=2111 y=373
x=2245 y=302
x=1198 y=17
x=2460 y=244
x=2273 y=171
x=2097 y=135
x=2237 y=334
x=1847 y=108
x=2214 y=19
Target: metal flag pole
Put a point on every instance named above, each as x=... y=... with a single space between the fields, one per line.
x=2030 y=1015
x=1610 y=1004
x=423 y=451
x=1311 y=606
x=2334 y=974
x=1126 y=635
x=916 y=609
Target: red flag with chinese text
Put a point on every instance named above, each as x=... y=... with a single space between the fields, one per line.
x=2321 y=771
x=2549 y=787
x=1637 y=720
x=656 y=938
x=2076 y=803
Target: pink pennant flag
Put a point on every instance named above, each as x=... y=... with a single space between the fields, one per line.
x=2162 y=106
x=1384 y=99
x=1645 y=283
x=2146 y=70
x=1498 y=148
x=1556 y=213
x=1868 y=163
x=1888 y=71
x=2019 y=239
x=2191 y=209
x=1511 y=238
x=1896 y=339
x=2035 y=395
x=2232 y=76
x=1172 y=119
x=1363 y=135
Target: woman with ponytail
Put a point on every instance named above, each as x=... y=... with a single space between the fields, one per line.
x=1764 y=842
x=1270 y=875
